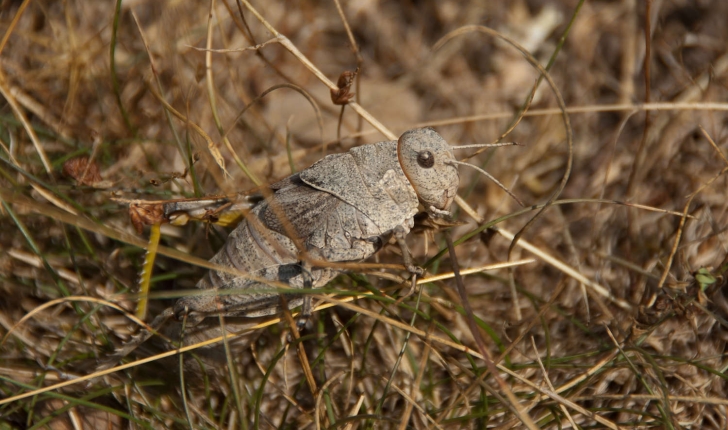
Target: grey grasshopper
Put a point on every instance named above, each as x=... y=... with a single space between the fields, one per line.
x=341 y=209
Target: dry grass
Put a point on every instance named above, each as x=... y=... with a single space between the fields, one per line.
x=569 y=354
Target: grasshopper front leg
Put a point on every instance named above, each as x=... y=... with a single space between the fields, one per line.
x=400 y=233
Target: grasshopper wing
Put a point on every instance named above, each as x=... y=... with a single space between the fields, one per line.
x=370 y=179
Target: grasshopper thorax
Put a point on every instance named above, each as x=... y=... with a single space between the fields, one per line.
x=426 y=158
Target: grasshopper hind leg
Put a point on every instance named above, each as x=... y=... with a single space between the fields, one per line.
x=183 y=313
x=137 y=340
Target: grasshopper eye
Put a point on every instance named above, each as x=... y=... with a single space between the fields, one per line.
x=425 y=159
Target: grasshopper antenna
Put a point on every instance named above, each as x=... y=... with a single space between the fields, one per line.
x=488 y=175
x=485 y=145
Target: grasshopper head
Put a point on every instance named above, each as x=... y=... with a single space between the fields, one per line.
x=426 y=158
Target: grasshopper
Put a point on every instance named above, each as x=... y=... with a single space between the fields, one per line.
x=343 y=208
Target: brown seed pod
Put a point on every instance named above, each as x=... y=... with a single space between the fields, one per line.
x=343 y=94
